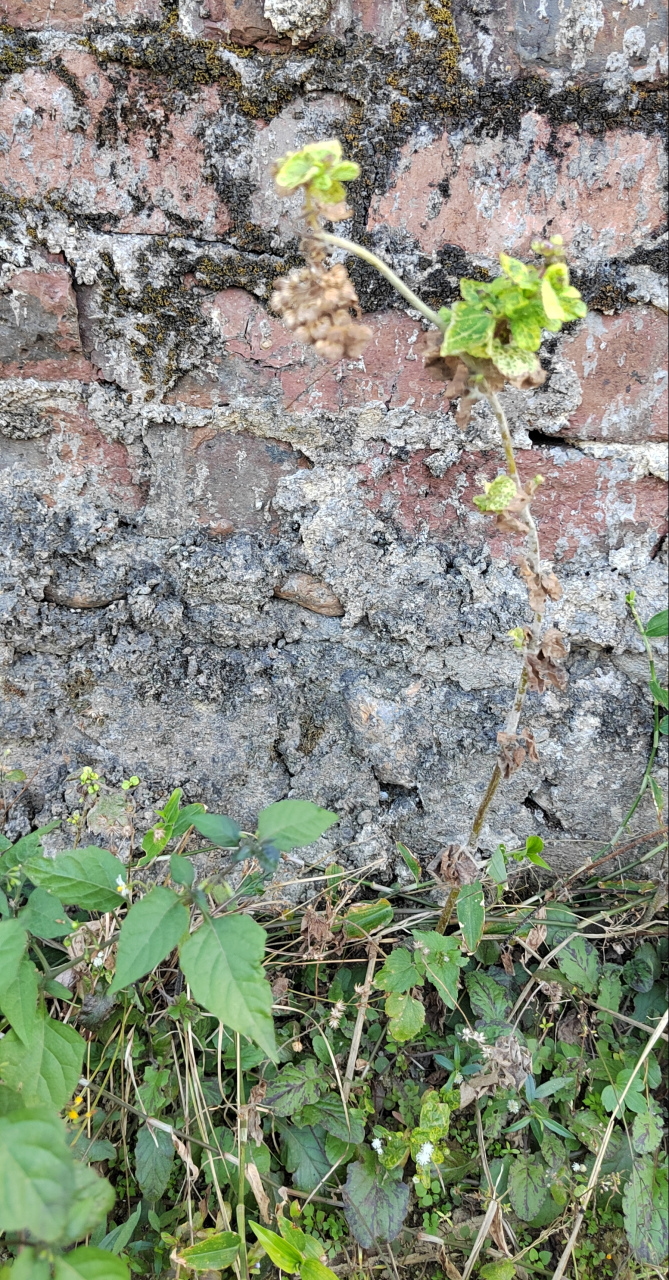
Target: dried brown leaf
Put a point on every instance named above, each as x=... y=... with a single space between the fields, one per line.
x=255 y=1182
x=553 y=646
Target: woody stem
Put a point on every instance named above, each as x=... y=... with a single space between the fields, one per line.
x=534 y=560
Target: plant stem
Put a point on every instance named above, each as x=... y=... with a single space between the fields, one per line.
x=385 y=270
x=360 y=1021
x=242 y=1135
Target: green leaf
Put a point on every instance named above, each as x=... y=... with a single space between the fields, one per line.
x=155 y=840
x=610 y=988
x=660 y=695
x=291 y=824
x=117 y=1239
x=488 y=999
x=646 y=1133
x=345 y=171
x=635 y=1099
x=294 y=1088
x=525 y=327
x=376 y=1201
x=214 y=1253
x=280 y=1252
x=470 y=329
x=589 y=1129
x=498 y=494
x=151 y=930
x=399 y=973
x=512 y=361
x=89 y=1263
x=517 y=271
x=441 y=958
x=579 y=962
x=185 y=819
x=658 y=625
x=47 y=1069
x=314 y=1269
x=496 y=867
x=91 y=1199
x=87 y=877
x=406 y=1017
x=35 y=1173
x=154 y=1156
x=664 y=725
x=19 y=1002
x=221 y=831
x=470 y=908
x=527 y=1186
x=504 y=1270
x=44 y=915
x=329 y=1112
x=412 y=863
x=645 y=1212
x=643 y=969
x=27 y=1266
x=551 y=302
x=222 y=964
x=182 y=870
x=364 y=918
x=13 y=939
x=26 y=847
x=305 y=1155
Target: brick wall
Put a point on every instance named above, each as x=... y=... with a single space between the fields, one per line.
x=232 y=567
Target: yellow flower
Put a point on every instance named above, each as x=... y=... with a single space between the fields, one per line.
x=73 y=1115
x=78 y=1100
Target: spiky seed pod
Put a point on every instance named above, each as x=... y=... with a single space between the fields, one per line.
x=315 y=303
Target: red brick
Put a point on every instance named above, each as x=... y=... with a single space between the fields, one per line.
x=261 y=354
x=582 y=505
x=621 y=362
x=599 y=193
x=83 y=459
x=243 y=22
x=235 y=476
x=39 y=331
x=72 y=15
x=53 y=151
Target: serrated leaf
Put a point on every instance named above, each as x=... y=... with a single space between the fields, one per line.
x=646 y=1133
x=406 y=1017
x=283 y=1254
x=376 y=1202
x=526 y=328
x=645 y=1212
x=19 y=1002
x=294 y=1088
x=488 y=999
x=512 y=361
x=470 y=329
x=85 y=877
x=305 y=1154
x=399 y=973
x=517 y=271
x=498 y=494
x=658 y=625
x=470 y=908
x=46 y=1070
x=579 y=962
x=221 y=831
x=36 y=1177
x=291 y=824
x=441 y=958
x=222 y=963
x=527 y=1186
x=151 y=930
x=13 y=939
x=154 y=1156
x=212 y=1254
x=89 y=1263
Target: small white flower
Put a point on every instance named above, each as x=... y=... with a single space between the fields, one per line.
x=97 y=961
x=424 y=1156
x=336 y=1015
x=579 y=1168
x=458 y=1077
x=123 y=888
x=377 y=1146
x=513 y=1106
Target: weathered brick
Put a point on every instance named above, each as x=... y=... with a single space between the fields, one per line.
x=260 y=355
x=581 y=38
x=144 y=175
x=599 y=193
x=235 y=477
x=73 y=15
x=39 y=331
x=621 y=362
x=244 y=22
x=585 y=504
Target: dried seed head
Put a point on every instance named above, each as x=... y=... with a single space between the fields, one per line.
x=316 y=303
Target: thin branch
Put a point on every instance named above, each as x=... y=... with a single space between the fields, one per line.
x=385 y=270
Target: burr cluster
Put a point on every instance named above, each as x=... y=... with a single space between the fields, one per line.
x=316 y=304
